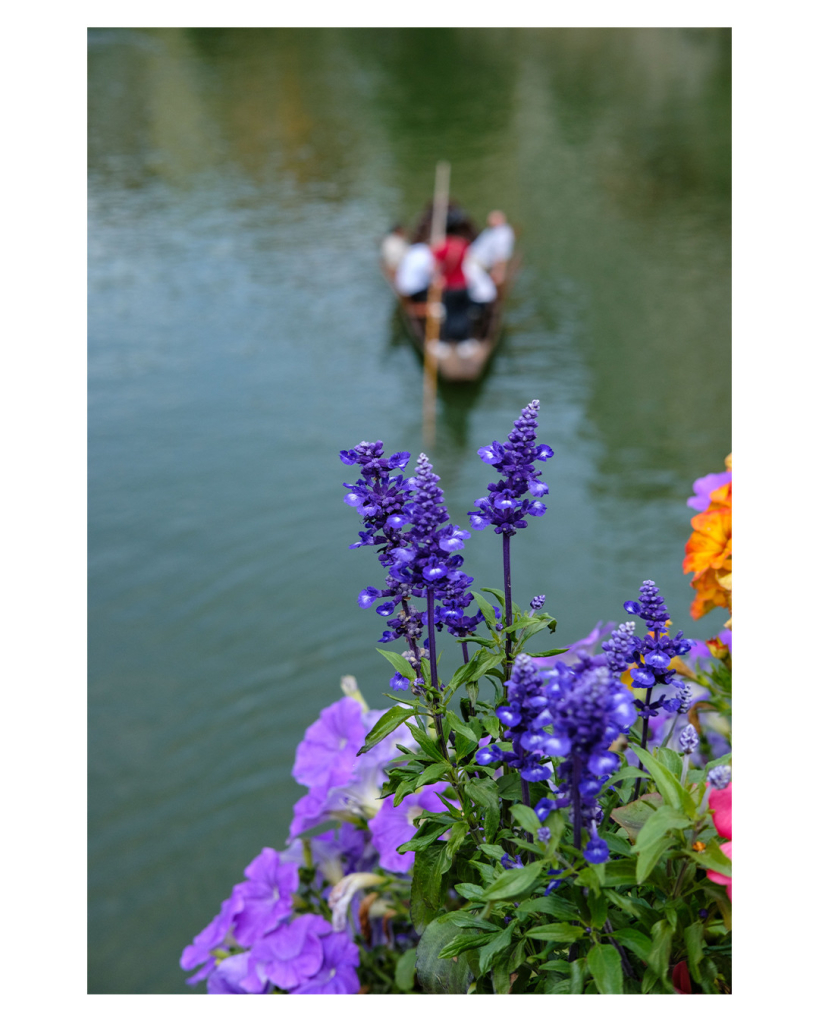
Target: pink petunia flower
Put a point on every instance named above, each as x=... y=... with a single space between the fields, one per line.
x=719 y=878
x=719 y=800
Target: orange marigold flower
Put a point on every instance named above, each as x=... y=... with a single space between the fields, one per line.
x=708 y=552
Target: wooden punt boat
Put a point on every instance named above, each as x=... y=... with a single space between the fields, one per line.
x=460 y=360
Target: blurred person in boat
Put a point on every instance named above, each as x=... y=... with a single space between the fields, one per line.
x=494 y=246
x=393 y=248
x=413 y=274
x=482 y=293
x=449 y=259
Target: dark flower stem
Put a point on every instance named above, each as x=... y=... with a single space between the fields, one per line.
x=465 y=653
x=507 y=590
x=627 y=968
x=643 y=743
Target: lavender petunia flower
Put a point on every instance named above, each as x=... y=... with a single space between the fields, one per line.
x=326 y=755
x=308 y=811
x=337 y=976
x=393 y=826
x=231 y=978
x=211 y=938
x=292 y=954
x=572 y=653
x=356 y=794
x=703 y=488
x=267 y=894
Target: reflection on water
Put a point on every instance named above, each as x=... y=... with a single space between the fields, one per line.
x=240 y=334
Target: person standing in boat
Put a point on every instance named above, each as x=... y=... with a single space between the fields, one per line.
x=449 y=259
x=494 y=246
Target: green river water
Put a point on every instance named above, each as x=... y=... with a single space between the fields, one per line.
x=240 y=335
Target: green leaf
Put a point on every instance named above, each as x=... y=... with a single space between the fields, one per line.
x=460 y=727
x=659 y=823
x=432 y=773
x=560 y=966
x=484 y=793
x=463 y=919
x=429 y=832
x=463 y=942
x=579 y=971
x=444 y=977
x=626 y=773
x=427 y=744
x=619 y=872
x=606 y=969
x=399 y=663
x=473 y=639
x=649 y=856
x=470 y=891
x=386 y=724
x=456 y=837
x=552 y=906
x=712 y=859
x=494 y=946
x=514 y=882
x=556 y=932
x=493 y=851
x=491 y=820
x=487 y=609
x=548 y=654
x=526 y=818
x=671 y=760
x=634 y=906
x=661 y=935
x=405 y=970
x=632 y=817
x=426 y=885
x=599 y=907
x=693 y=936
x=669 y=787
x=618 y=845
x=638 y=942
x=486 y=871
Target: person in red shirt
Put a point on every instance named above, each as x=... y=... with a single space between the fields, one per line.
x=449 y=258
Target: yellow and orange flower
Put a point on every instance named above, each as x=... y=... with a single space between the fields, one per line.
x=708 y=552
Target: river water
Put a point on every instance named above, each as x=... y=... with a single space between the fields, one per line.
x=240 y=335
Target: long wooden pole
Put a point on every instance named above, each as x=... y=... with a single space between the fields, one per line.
x=434 y=305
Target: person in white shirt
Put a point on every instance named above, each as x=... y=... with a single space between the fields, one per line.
x=414 y=276
x=494 y=246
x=393 y=248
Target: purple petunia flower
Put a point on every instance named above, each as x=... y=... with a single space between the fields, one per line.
x=326 y=755
x=211 y=938
x=337 y=976
x=267 y=895
x=231 y=978
x=292 y=954
x=703 y=488
x=357 y=781
x=572 y=653
x=393 y=826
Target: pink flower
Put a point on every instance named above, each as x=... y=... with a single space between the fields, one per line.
x=719 y=800
x=721 y=879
